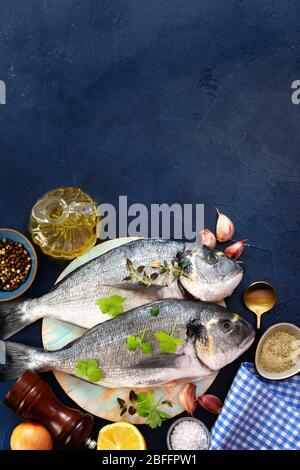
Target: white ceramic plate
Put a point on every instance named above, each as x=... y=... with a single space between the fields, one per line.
x=95 y=399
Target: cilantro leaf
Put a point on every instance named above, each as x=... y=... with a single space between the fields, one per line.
x=156 y=417
x=164 y=415
x=89 y=369
x=143 y=411
x=146 y=397
x=154 y=311
x=167 y=343
x=153 y=419
x=133 y=342
x=81 y=368
x=112 y=305
x=146 y=347
x=148 y=408
x=144 y=402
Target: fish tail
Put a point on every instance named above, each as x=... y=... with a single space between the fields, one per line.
x=16 y=358
x=13 y=318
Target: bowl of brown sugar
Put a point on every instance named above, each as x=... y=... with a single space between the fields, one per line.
x=278 y=352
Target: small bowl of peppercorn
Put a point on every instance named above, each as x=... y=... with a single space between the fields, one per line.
x=18 y=264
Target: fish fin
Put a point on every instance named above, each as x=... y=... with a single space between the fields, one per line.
x=136 y=287
x=157 y=361
x=12 y=318
x=21 y=358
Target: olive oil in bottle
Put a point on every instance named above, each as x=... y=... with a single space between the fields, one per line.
x=64 y=223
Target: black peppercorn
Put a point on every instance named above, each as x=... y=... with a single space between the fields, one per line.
x=15 y=265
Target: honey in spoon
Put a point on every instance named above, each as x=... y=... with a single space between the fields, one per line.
x=259 y=298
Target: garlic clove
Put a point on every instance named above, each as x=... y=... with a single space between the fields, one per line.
x=208 y=238
x=187 y=398
x=210 y=403
x=235 y=250
x=225 y=227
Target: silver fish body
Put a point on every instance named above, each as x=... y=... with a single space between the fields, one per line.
x=210 y=276
x=210 y=336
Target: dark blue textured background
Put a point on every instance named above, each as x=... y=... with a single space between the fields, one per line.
x=165 y=101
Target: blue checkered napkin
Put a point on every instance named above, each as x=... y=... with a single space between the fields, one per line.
x=259 y=414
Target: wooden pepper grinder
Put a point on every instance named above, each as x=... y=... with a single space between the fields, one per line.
x=33 y=399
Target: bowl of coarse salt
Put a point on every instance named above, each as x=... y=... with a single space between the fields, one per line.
x=188 y=434
x=277 y=354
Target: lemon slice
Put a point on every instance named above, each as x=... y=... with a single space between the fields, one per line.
x=120 y=436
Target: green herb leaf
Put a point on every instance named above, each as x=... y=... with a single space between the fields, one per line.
x=146 y=347
x=133 y=342
x=164 y=267
x=185 y=264
x=156 y=417
x=145 y=398
x=112 y=305
x=144 y=402
x=154 y=420
x=146 y=407
x=154 y=311
x=81 y=368
x=89 y=369
x=167 y=343
x=164 y=415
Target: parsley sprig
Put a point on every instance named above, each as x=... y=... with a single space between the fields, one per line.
x=112 y=305
x=167 y=342
x=89 y=369
x=145 y=405
x=135 y=342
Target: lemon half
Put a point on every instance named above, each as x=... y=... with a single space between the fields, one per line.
x=120 y=436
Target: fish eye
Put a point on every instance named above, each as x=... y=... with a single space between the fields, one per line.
x=226 y=326
x=212 y=258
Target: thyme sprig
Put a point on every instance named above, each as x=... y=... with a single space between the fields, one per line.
x=139 y=274
x=176 y=269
